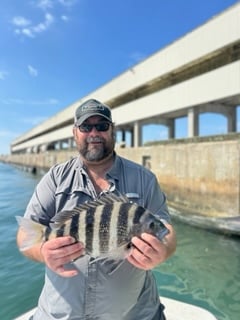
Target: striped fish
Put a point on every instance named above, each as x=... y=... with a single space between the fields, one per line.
x=105 y=226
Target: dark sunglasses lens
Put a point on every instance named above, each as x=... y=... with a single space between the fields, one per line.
x=99 y=127
x=85 y=127
x=102 y=126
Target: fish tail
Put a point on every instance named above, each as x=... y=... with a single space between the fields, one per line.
x=34 y=232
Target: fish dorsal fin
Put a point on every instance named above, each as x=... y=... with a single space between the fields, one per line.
x=105 y=199
x=61 y=217
x=109 y=197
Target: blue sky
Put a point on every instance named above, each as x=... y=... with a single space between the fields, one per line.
x=53 y=52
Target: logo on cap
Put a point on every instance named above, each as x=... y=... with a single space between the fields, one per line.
x=92 y=107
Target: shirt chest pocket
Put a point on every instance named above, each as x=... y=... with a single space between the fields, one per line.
x=135 y=198
x=67 y=198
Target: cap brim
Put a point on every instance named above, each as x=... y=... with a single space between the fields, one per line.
x=88 y=115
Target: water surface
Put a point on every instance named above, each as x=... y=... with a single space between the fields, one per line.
x=204 y=270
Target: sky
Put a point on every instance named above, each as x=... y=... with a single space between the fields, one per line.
x=54 y=52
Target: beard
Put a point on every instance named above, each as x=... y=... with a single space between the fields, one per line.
x=96 y=152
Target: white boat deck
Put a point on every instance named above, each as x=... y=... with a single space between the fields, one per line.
x=175 y=310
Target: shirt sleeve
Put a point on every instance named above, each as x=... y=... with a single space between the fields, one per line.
x=42 y=203
x=156 y=200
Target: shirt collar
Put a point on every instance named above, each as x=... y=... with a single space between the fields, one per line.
x=113 y=173
x=116 y=168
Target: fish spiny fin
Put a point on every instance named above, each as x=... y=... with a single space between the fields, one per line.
x=105 y=199
x=110 y=197
x=61 y=217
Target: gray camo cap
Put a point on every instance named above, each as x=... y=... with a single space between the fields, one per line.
x=91 y=108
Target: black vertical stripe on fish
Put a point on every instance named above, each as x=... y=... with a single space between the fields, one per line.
x=60 y=231
x=47 y=233
x=74 y=227
x=122 y=224
x=89 y=228
x=104 y=227
x=138 y=213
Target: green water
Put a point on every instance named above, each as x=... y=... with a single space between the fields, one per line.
x=205 y=269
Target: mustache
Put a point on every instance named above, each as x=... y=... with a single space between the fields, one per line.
x=95 y=139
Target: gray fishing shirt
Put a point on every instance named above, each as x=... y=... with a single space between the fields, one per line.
x=103 y=289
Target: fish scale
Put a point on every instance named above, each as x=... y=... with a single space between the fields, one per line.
x=104 y=229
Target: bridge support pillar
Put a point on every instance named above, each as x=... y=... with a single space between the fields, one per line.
x=231 y=119
x=122 y=136
x=137 y=134
x=193 y=123
x=171 y=129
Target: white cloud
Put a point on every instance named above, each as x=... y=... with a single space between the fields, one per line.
x=32 y=71
x=20 y=21
x=26 y=32
x=43 y=26
x=45 y=4
x=3 y=75
x=26 y=28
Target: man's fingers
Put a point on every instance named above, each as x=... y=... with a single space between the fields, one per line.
x=69 y=252
x=61 y=251
x=59 y=242
x=66 y=273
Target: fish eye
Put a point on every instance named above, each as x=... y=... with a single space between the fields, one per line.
x=151 y=225
x=129 y=246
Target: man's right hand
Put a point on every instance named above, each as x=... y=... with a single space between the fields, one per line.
x=60 y=251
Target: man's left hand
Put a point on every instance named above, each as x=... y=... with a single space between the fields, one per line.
x=147 y=252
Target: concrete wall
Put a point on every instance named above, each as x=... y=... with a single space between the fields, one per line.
x=198 y=178
x=201 y=178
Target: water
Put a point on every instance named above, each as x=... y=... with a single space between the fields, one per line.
x=204 y=271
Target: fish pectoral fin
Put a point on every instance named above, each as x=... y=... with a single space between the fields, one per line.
x=120 y=253
x=117 y=254
x=98 y=259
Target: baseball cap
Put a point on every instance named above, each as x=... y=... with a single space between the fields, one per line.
x=91 y=108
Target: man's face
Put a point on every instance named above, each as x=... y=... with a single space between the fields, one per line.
x=92 y=143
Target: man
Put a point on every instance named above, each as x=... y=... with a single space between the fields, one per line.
x=76 y=287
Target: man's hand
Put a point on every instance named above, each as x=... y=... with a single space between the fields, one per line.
x=147 y=252
x=60 y=251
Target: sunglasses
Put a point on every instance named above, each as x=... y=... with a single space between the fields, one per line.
x=87 y=127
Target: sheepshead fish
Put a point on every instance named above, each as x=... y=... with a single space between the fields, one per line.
x=105 y=226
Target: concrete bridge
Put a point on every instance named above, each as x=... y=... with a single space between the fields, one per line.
x=198 y=73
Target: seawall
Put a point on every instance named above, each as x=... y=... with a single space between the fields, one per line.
x=198 y=175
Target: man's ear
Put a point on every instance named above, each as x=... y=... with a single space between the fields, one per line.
x=74 y=131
